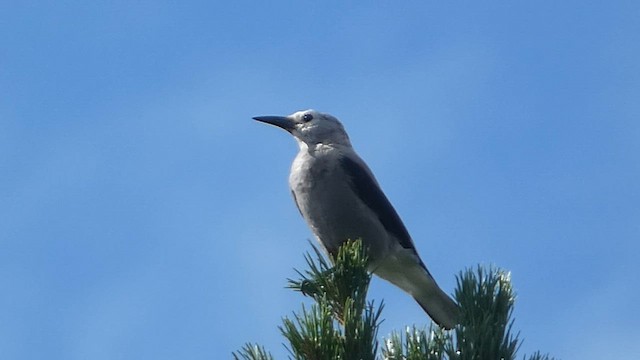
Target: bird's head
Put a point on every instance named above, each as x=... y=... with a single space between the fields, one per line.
x=310 y=127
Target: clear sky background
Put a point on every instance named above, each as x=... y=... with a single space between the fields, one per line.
x=144 y=215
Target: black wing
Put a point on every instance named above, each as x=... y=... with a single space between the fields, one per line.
x=295 y=199
x=370 y=193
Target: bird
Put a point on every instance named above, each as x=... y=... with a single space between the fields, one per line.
x=340 y=199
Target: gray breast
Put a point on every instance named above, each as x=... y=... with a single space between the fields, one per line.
x=330 y=207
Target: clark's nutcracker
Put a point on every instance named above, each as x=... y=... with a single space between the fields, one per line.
x=340 y=199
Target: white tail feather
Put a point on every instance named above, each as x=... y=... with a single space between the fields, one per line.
x=411 y=276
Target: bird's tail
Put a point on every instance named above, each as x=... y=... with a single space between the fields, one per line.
x=414 y=278
x=440 y=306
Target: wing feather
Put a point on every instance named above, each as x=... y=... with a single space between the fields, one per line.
x=365 y=186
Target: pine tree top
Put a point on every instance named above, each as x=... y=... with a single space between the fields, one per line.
x=341 y=324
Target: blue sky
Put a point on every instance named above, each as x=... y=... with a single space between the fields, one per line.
x=144 y=215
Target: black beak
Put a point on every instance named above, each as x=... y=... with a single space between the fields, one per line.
x=279 y=121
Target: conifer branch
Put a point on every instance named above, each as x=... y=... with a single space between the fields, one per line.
x=341 y=324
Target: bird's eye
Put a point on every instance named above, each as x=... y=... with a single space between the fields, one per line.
x=307 y=117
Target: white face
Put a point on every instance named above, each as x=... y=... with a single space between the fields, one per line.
x=313 y=127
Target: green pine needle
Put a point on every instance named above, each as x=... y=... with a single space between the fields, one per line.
x=348 y=279
x=417 y=344
x=538 y=356
x=252 y=352
x=486 y=299
x=343 y=325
